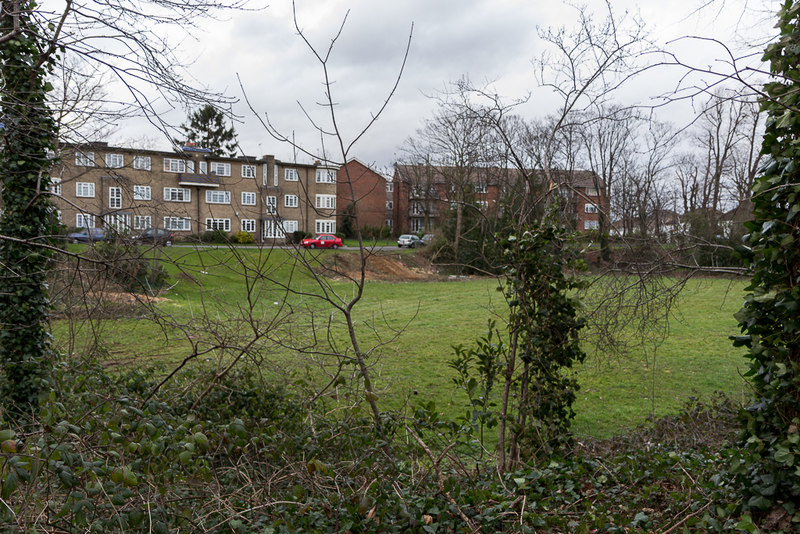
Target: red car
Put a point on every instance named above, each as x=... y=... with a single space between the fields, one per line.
x=322 y=241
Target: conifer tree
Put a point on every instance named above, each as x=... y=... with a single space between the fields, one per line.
x=207 y=129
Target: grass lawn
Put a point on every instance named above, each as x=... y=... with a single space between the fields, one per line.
x=428 y=318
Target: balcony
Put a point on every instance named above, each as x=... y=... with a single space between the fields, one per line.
x=199 y=180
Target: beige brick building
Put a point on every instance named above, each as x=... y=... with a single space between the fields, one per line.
x=192 y=191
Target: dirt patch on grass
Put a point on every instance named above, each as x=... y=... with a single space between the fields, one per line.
x=390 y=267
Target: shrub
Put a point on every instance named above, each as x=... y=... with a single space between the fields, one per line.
x=243 y=237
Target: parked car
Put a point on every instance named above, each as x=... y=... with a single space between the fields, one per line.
x=322 y=241
x=156 y=236
x=410 y=241
x=427 y=239
x=87 y=235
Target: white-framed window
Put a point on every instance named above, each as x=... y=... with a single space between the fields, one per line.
x=55 y=185
x=389 y=204
x=482 y=204
x=591 y=225
x=203 y=167
x=272 y=204
x=326 y=201
x=175 y=165
x=417 y=191
x=248 y=198
x=142 y=222
x=141 y=163
x=590 y=208
x=273 y=230
x=115 y=161
x=121 y=222
x=248 y=225
x=84 y=220
x=178 y=223
x=220 y=169
x=141 y=192
x=417 y=225
x=60 y=216
x=416 y=208
x=290 y=175
x=591 y=192
x=115 y=197
x=481 y=188
x=325 y=226
x=218 y=224
x=326 y=176
x=290 y=226
x=265 y=174
x=291 y=201
x=389 y=187
x=388 y=223
x=84 y=190
x=84 y=159
x=177 y=194
x=215 y=196
x=248 y=171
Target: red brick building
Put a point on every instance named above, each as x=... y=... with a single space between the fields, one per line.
x=359 y=185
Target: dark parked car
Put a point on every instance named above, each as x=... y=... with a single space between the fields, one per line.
x=322 y=241
x=156 y=236
x=410 y=241
x=87 y=235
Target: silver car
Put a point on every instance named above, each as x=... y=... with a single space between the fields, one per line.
x=409 y=240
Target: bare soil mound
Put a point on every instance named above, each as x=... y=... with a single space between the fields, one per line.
x=391 y=267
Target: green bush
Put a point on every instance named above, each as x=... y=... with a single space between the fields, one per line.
x=244 y=238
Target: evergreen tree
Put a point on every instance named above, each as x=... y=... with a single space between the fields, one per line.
x=207 y=129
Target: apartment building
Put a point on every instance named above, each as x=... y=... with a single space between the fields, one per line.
x=191 y=191
x=424 y=194
x=364 y=187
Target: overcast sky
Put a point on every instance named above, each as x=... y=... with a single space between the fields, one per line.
x=487 y=40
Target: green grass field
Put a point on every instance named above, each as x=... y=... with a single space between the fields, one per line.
x=427 y=319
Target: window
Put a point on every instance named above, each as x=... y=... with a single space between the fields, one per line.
x=121 y=222
x=141 y=192
x=249 y=225
x=326 y=201
x=591 y=192
x=591 y=225
x=290 y=226
x=290 y=201
x=141 y=222
x=482 y=204
x=141 y=163
x=178 y=223
x=84 y=159
x=325 y=226
x=416 y=191
x=417 y=225
x=481 y=188
x=248 y=171
x=55 y=186
x=274 y=175
x=218 y=197
x=290 y=175
x=248 y=199
x=389 y=204
x=177 y=194
x=273 y=230
x=115 y=197
x=272 y=204
x=388 y=223
x=389 y=187
x=220 y=169
x=174 y=165
x=84 y=190
x=590 y=208
x=218 y=224
x=84 y=220
x=115 y=161
x=416 y=208
x=203 y=167
x=326 y=176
